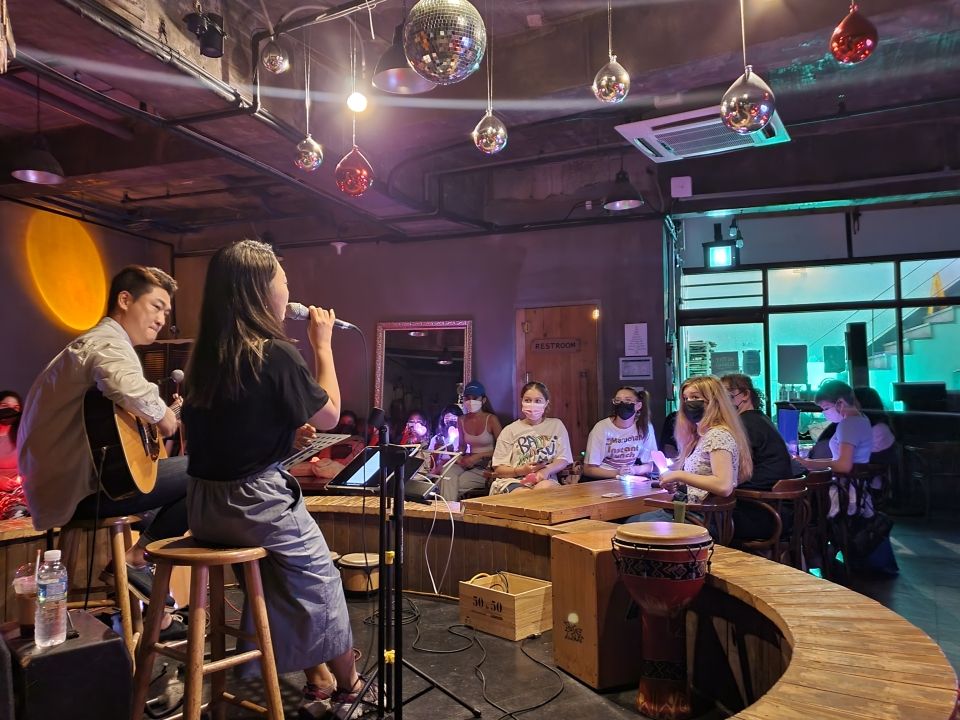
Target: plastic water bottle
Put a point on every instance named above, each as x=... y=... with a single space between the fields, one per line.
x=51 y=624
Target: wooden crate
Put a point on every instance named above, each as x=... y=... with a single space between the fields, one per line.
x=596 y=628
x=507 y=605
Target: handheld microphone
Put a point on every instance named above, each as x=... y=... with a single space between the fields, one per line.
x=177 y=376
x=298 y=311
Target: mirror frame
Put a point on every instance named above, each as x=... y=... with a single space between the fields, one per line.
x=382 y=327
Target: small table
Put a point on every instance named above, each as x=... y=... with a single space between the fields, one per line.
x=597 y=500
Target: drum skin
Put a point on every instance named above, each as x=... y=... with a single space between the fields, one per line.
x=663 y=566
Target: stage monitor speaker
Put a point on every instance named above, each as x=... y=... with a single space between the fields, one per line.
x=596 y=627
x=856 y=340
x=84 y=678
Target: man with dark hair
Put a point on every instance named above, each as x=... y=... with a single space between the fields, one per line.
x=60 y=477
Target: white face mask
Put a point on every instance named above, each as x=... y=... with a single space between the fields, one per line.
x=533 y=411
x=833 y=415
x=472 y=406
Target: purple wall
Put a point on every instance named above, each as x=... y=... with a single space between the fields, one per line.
x=484 y=279
x=33 y=336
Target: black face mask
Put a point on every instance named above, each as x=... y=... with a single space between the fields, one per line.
x=693 y=410
x=624 y=411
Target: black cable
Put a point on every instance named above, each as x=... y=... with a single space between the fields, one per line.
x=483 y=680
x=441 y=651
x=93 y=534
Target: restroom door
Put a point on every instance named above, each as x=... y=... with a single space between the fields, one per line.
x=559 y=347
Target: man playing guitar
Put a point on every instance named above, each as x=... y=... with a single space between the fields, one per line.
x=60 y=471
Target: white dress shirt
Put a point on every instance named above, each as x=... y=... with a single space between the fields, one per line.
x=55 y=458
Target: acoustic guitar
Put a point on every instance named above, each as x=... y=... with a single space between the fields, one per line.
x=125 y=449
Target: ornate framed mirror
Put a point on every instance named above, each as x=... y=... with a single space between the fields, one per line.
x=422 y=365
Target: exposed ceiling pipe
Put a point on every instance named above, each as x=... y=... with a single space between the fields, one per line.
x=67 y=107
x=203 y=140
x=120 y=27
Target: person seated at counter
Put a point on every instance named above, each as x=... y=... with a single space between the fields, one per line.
x=478 y=429
x=621 y=443
x=851 y=443
x=883 y=448
x=532 y=450
x=714 y=450
x=768 y=451
x=446 y=439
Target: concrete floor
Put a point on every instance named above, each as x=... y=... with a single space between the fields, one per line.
x=927 y=592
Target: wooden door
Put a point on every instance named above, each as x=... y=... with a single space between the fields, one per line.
x=558 y=346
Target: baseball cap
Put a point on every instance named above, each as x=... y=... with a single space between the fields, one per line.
x=474 y=388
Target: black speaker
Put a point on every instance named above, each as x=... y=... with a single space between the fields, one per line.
x=856 y=340
x=85 y=678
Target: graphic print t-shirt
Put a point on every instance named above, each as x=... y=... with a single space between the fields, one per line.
x=521 y=443
x=617 y=448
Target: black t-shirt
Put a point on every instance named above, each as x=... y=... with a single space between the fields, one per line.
x=234 y=439
x=771 y=460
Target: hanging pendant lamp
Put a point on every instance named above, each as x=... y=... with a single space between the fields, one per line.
x=37 y=164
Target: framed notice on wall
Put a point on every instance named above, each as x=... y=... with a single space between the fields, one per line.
x=636 y=368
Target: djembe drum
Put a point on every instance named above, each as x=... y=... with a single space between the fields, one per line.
x=663 y=565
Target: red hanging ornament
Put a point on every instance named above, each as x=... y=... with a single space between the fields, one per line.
x=854 y=39
x=354 y=175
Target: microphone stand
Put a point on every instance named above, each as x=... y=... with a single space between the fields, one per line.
x=390 y=660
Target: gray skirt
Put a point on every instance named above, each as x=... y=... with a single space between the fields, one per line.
x=309 y=621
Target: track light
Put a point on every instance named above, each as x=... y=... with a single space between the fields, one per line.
x=623 y=195
x=208 y=27
x=394 y=74
x=357 y=101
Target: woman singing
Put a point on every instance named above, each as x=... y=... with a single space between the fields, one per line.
x=247 y=391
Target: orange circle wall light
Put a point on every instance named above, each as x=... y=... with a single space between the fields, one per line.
x=67 y=270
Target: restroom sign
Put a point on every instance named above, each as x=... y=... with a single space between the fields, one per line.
x=555 y=345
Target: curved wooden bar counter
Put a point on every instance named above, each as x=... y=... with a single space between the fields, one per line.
x=767 y=642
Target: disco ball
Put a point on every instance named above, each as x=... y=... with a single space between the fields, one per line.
x=612 y=83
x=855 y=38
x=354 y=175
x=490 y=134
x=444 y=40
x=309 y=154
x=748 y=104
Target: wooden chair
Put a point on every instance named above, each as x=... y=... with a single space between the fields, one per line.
x=206 y=565
x=786 y=494
x=817 y=535
x=860 y=478
x=716 y=513
x=71 y=541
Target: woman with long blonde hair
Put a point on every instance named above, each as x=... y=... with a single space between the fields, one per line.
x=714 y=450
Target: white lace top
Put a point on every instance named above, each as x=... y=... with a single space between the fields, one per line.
x=698 y=462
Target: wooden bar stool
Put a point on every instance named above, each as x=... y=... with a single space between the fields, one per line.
x=71 y=540
x=717 y=515
x=206 y=566
x=790 y=493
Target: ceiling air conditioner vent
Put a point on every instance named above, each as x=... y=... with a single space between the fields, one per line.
x=696 y=133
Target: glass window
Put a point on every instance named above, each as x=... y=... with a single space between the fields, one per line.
x=722 y=349
x=721 y=290
x=931 y=337
x=831 y=283
x=808 y=348
x=930 y=278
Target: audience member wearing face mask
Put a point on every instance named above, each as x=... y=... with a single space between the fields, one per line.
x=446 y=439
x=851 y=444
x=714 y=450
x=532 y=450
x=771 y=460
x=621 y=443
x=478 y=429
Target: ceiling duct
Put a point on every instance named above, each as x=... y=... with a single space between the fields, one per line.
x=696 y=133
